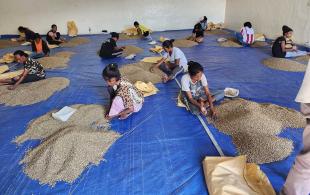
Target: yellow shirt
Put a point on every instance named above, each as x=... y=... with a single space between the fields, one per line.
x=144 y=29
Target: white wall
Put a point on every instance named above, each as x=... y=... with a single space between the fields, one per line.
x=112 y=15
x=268 y=16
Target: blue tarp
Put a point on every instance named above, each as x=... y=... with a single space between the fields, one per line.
x=162 y=146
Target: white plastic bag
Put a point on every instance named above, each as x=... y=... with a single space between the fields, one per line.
x=64 y=114
x=130 y=57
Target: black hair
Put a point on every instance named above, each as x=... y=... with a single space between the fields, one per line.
x=194 y=68
x=21 y=53
x=37 y=36
x=247 y=24
x=205 y=19
x=136 y=23
x=286 y=29
x=111 y=71
x=168 y=43
x=53 y=25
x=198 y=26
x=21 y=29
x=114 y=35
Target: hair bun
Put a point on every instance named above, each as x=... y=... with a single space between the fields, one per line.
x=190 y=63
x=286 y=29
x=113 y=66
x=171 y=40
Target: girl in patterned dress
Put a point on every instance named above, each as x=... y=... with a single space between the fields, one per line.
x=125 y=97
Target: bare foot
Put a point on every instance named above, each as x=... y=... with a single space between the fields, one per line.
x=124 y=116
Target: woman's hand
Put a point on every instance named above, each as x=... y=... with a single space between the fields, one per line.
x=203 y=110
x=107 y=117
x=123 y=116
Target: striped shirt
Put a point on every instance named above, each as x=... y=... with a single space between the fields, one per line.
x=288 y=43
x=248 y=35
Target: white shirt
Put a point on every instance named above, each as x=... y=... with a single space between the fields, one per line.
x=188 y=85
x=175 y=55
x=304 y=91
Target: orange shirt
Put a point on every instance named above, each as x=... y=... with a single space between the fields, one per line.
x=39 y=46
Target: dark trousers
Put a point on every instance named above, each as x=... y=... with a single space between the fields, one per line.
x=109 y=54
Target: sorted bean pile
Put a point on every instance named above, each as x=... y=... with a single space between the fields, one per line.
x=5 y=43
x=59 y=60
x=34 y=92
x=255 y=127
x=284 y=64
x=217 y=32
x=259 y=44
x=184 y=43
x=303 y=59
x=64 y=54
x=123 y=36
x=67 y=148
x=141 y=72
x=76 y=41
x=130 y=49
x=230 y=42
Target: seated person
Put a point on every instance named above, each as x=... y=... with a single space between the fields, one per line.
x=195 y=92
x=283 y=47
x=53 y=37
x=33 y=71
x=29 y=34
x=246 y=35
x=198 y=33
x=39 y=47
x=143 y=31
x=177 y=61
x=204 y=23
x=109 y=48
x=125 y=98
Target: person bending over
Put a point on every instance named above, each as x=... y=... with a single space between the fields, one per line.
x=109 y=48
x=172 y=63
x=33 y=71
x=143 y=31
x=198 y=33
x=195 y=92
x=29 y=34
x=204 y=23
x=125 y=98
